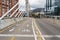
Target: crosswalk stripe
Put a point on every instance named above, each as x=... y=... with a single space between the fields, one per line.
x=50 y=36
x=16 y=35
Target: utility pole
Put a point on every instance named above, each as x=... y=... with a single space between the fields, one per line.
x=27 y=7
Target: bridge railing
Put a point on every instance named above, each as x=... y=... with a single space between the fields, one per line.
x=53 y=17
x=56 y=17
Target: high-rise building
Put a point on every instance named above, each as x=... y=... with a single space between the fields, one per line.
x=57 y=3
x=48 y=4
x=57 y=7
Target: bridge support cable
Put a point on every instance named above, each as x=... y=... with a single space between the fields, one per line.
x=17 y=14
x=14 y=12
x=20 y=14
x=9 y=11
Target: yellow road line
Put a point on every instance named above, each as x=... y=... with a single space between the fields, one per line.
x=38 y=35
x=12 y=38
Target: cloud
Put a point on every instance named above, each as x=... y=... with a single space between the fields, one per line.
x=37 y=3
x=34 y=3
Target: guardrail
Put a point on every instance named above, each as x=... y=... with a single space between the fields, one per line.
x=54 y=17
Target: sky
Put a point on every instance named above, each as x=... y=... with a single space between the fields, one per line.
x=33 y=4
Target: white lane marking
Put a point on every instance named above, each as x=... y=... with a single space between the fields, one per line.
x=50 y=36
x=19 y=29
x=16 y=35
x=21 y=18
x=17 y=25
x=27 y=25
x=35 y=37
x=39 y=31
x=26 y=30
x=11 y=29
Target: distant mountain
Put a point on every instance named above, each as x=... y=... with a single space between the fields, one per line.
x=38 y=10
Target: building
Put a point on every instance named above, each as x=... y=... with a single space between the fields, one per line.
x=57 y=3
x=48 y=4
x=53 y=7
x=6 y=5
x=57 y=7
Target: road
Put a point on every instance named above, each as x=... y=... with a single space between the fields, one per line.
x=24 y=31
x=19 y=31
x=49 y=31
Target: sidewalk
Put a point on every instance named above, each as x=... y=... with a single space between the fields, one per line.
x=6 y=22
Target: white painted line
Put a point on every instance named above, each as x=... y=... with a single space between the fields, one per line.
x=17 y=14
x=16 y=35
x=26 y=30
x=8 y=11
x=39 y=31
x=14 y=12
x=23 y=30
x=35 y=37
x=50 y=36
x=27 y=25
x=11 y=29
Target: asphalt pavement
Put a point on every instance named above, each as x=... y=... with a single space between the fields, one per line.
x=19 y=31
x=24 y=30
x=49 y=31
